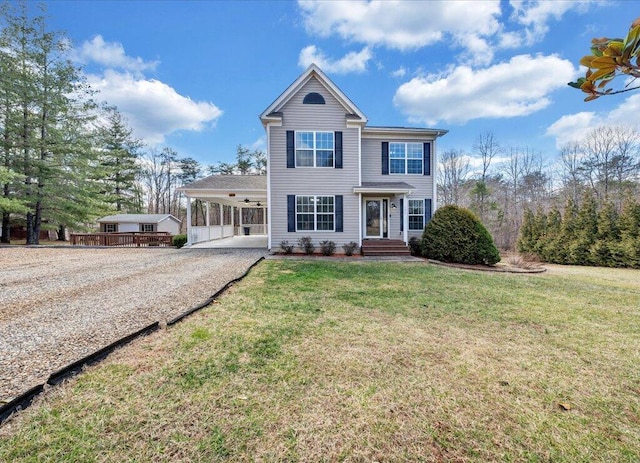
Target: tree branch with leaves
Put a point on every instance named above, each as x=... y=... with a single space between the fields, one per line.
x=611 y=58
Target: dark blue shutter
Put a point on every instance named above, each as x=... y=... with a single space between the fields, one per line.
x=385 y=158
x=427 y=158
x=338 y=150
x=339 y=214
x=427 y=210
x=291 y=213
x=402 y=215
x=291 y=149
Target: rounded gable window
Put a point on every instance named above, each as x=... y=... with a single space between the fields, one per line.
x=313 y=98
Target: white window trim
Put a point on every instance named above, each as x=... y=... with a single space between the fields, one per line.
x=315 y=156
x=109 y=225
x=143 y=225
x=406 y=158
x=315 y=213
x=415 y=215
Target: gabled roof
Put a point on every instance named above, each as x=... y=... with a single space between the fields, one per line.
x=273 y=111
x=137 y=218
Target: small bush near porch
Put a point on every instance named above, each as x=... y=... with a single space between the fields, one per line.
x=327 y=361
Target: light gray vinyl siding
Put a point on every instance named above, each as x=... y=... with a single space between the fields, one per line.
x=313 y=181
x=372 y=172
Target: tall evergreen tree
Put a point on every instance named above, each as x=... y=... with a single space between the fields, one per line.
x=586 y=231
x=118 y=154
x=49 y=145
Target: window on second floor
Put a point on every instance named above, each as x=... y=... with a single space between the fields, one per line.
x=314 y=149
x=405 y=158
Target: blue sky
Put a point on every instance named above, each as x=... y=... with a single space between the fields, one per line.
x=195 y=75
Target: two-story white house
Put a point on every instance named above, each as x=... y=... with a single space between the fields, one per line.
x=332 y=177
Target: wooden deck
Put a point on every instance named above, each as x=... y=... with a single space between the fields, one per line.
x=129 y=240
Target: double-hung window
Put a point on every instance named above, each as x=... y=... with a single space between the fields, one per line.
x=147 y=227
x=315 y=213
x=110 y=227
x=314 y=149
x=405 y=158
x=416 y=214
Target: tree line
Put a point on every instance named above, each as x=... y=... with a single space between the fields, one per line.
x=516 y=192
x=65 y=158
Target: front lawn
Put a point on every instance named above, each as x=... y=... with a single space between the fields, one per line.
x=334 y=361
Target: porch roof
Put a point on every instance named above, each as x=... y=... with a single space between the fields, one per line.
x=229 y=189
x=384 y=187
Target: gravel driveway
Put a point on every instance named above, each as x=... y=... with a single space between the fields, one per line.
x=59 y=304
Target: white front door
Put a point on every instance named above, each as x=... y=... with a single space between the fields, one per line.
x=376 y=218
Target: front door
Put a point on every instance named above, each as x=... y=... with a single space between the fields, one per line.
x=376 y=218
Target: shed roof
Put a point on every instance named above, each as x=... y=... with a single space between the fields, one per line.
x=137 y=218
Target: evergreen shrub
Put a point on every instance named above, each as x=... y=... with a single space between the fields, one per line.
x=179 y=240
x=455 y=234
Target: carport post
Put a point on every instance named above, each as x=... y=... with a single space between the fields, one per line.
x=189 y=242
x=221 y=211
x=206 y=220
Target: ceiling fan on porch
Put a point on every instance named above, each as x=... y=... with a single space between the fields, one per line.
x=248 y=201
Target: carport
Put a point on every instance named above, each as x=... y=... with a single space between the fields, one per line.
x=220 y=207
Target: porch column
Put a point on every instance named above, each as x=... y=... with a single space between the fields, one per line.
x=405 y=219
x=233 y=220
x=206 y=220
x=361 y=220
x=189 y=240
x=221 y=212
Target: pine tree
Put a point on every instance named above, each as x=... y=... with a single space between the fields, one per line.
x=559 y=253
x=629 y=246
x=540 y=227
x=49 y=143
x=586 y=231
x=528 y=236
x=118 y=154
x=603 y=251
x=553 y=242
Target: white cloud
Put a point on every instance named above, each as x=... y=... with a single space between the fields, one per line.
x=153 y=108
x=574 y=127
x=518 y=87
x=535 y=15
x=259 y=144
x=402 y=25
x=351 y=62
x=400 y=72
x=111 y=55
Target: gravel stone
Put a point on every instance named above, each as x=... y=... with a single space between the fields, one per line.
x=58 y=305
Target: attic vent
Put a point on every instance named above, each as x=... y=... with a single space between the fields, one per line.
x=313 y=98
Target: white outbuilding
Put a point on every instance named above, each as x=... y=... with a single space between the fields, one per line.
x=145 y=223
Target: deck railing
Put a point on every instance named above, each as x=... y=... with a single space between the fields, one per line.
x=133 y=239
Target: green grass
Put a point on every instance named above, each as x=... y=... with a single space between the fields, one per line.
x=335 y=361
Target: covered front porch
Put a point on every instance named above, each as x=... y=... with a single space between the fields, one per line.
x=384 y=215
x=221 y=207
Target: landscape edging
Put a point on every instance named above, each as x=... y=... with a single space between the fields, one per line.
x=25 y=399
